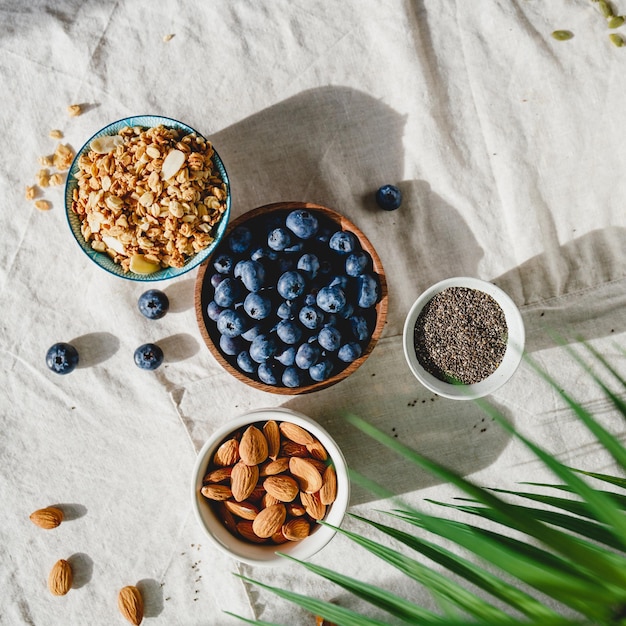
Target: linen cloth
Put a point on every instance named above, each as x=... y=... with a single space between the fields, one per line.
x=508 y=148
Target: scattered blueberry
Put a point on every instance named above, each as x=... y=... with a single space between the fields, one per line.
x=388 y=197
x=231 y=323
x=307 y=355
x=62 y=358
x=291 y=285
x=311 y=317
x=302 y=223
x=269 y=373
x=321 y=370
x=343 y=242
x=329 y=338
x=262 y=348
x=223 y=264
x=148 y=356
x=350 y=352
x=292 y=377
x=331 y=299
x=368 y=291
x=257 y=306
x=357 y=263
x=279 y=239
x=227 y=292
x=153 y=304
x=288 y=332
x=240 y=239
x=245 y=362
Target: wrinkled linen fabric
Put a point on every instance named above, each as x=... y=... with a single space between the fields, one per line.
x=508 y=150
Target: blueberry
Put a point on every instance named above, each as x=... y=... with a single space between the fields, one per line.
x=388 y=197
x=62 y=358
x=358 y=324
x=240 y=239
x=287 y=356
x=257 y=306
x=331 y=299
x=286 y=309
x=148 y=356
x=321 y=370
x=343 y=242
x=288 y=331
x=368 y=291
x=302 y=223
x=323 y=235
x=307 y=355
x=216 y=279
x=329 y=338
x=153 y=304
x=245 y=363
x=269 y=373
x=349 y=352
x=264 y=253
x=340 y=280
x=279 y=239
x=227 y=292
x=252 y=332
x=325 y=266
x=309 y=299
x=231 y=323
x=347 y=311
x=311 y=317
x=357 y=263
x=252 y=275
x=231 y=345
x=213 y=310
x=262 y=348
x=223 y=264
x=296 y=247
x=291 y=285
x=292 y=377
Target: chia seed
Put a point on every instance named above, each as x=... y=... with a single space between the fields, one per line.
x=460 y=335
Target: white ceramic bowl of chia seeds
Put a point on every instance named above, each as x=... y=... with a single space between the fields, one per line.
x=463 y=338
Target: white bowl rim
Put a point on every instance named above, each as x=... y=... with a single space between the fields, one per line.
x=264 y=554
x=512 y=356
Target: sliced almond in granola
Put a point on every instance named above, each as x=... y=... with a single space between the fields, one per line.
x=307 y=475
x=106 y=143
x=140 y=265
x=172 y=164
x=113 y=243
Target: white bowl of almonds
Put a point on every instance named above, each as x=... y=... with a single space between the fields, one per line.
x=147 y=198
x=264 y=480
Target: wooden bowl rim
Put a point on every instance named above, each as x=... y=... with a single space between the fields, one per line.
x=381 y=306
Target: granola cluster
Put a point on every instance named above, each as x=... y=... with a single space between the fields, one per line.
x=133 y=204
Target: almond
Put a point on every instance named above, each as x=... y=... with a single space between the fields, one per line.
x=218 y=475
x=227 y=454
x=245 y=529
x=278 y=537
x=130 y=604
x=47 y=518
x=295 y=509
x=243 y=480
x=60 y=578
x=283 y=488
x=296 y=433
x=268 y=500
x=307 y=475
x=257 y=494
x=244 y=510
x=216 y=492
x=227 y=517
x=291 y=448
x=317 y=450
x=271 y=468
x=272 y=434
x=296 y=529
x=253 y=446
x=328 y=490
x=269 y=520
x=313 y=505
x=321 y=466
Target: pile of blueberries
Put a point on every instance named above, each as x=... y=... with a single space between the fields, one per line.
x=292 y=300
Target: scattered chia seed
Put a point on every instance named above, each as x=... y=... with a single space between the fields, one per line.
x=460 y=335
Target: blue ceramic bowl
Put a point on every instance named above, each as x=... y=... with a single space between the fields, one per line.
x=103 y=260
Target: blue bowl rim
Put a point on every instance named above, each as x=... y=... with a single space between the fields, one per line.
x=101 y=259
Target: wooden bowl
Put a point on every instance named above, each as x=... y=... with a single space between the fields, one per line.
x=204 y=294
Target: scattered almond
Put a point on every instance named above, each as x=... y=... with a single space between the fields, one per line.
x=43 y=205
x=60 y=578
x=243 y=480
x=47 y=518
x=253 y=446
x=269 y=520
x=73 y=110
x=130 y=604
x=55 y=134
x=31 y=192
